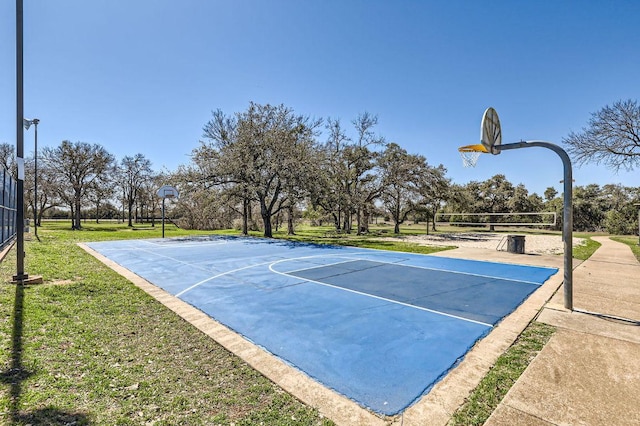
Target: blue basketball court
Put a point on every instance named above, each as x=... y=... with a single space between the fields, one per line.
x=378 y=327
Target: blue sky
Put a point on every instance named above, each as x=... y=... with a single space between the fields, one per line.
x=143 y=76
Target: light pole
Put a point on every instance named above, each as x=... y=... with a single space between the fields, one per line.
x=638 y=206
x=27 y=124
x=20 y=275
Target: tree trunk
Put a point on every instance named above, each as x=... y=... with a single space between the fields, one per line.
x=245 y=216
x=359 y=230
x=336 y=221
x=78 y=224
x=267 y=226
x=130 y=210
x=290 y=229
x=346 y=225
x=266 y=219
x=396 y=228
x=366 y=216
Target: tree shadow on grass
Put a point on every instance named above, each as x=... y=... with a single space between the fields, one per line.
x=50 y=416
x=16 y=374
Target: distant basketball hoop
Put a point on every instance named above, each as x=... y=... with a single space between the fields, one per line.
x=166 y=191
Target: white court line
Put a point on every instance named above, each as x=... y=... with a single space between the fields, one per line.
x=326 y=264
x=188 y=243
x=193 y=265
x=413 y=266
x=380 y=261
x=271 y=262
x=222 y=274
x=381 y=298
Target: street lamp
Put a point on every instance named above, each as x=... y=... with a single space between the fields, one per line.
x=27 y=123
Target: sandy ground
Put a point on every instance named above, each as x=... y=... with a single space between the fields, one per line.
x=542 y=244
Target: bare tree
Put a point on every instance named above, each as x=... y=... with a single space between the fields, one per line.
x=329 y=190
x=75 y=166
x=101 y=191
x=399 y=171
x=47 y=193
x=132 y=173
x=7 y=158
x=612 y=137
x=148 y=193
x=348 y=172
x=211 y=168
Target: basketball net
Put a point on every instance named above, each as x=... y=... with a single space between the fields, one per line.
x=470 y=154
x=470 y=158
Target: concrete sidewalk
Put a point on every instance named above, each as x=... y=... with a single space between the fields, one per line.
x=589 y=372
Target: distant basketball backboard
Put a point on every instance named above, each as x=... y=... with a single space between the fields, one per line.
x=167 y=191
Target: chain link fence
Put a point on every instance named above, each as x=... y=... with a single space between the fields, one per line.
x=7 y=208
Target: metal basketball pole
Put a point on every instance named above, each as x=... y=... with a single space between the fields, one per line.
x=163 y=217
x=567 y=214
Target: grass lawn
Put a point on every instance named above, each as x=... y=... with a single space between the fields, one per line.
x=88 y=347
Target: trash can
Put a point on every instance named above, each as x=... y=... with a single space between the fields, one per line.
x=515 y=244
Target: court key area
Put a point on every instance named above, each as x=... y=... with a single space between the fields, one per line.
x=379 y=327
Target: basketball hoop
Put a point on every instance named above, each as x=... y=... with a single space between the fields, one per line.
x=470 y=154
x=164 y=192
x=490 y=138
x=167 y=191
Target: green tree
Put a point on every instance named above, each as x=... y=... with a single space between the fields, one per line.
x=495 y=195
x=621 y=215
x=550 y=193
x=589 y=208
x=434 y=189
x=400 y=173
x=261 y=152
